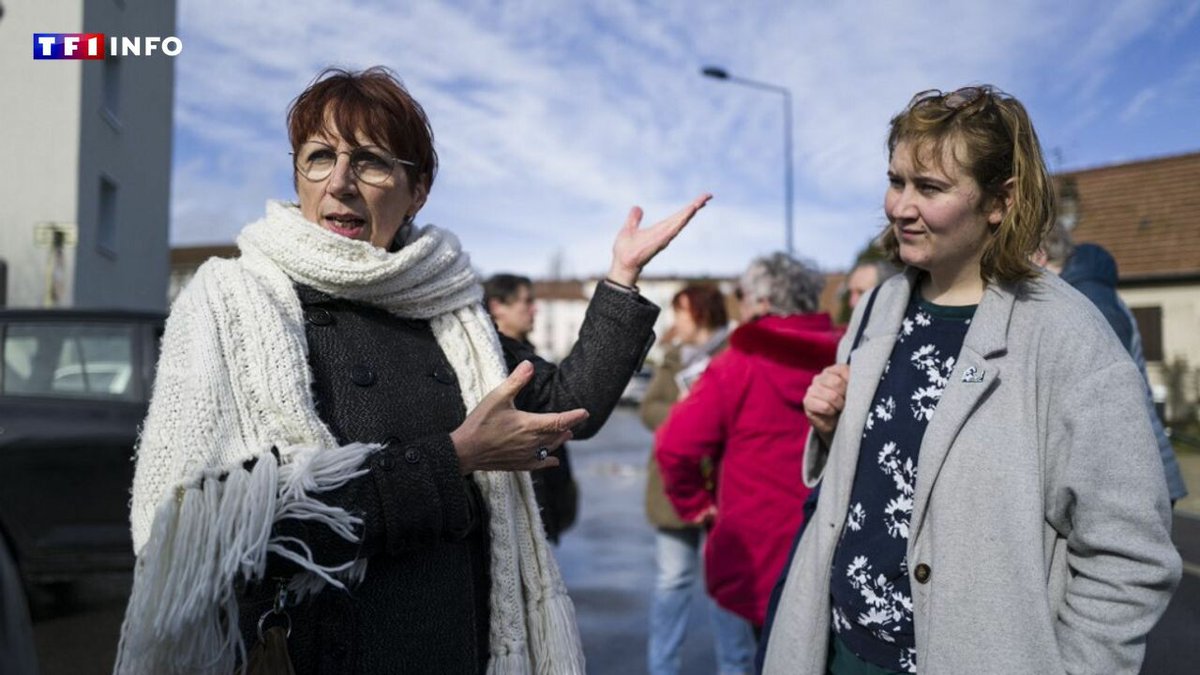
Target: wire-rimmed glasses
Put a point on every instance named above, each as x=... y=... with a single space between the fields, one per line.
x=370 y=164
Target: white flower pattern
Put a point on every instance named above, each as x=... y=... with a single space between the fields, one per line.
x=925 y=356
x=856 y=517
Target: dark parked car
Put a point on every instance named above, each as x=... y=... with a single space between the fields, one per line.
x=74 y=390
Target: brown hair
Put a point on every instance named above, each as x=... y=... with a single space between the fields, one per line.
x=373 y=102
x=706 y=305
x=994 y=141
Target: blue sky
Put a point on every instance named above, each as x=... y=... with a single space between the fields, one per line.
x=552 y=118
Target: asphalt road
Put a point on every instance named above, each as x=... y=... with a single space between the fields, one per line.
x=608 y=562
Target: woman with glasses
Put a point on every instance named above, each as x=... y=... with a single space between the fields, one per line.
x=334 y=469
x=992 y=499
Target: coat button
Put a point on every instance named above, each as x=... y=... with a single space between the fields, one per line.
x=921 y=573
x=443 y=374
x=362 y=375
x=386 y=462
x=412 y=456
x=320 y=317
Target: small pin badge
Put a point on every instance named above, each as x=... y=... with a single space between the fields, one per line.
x=973 y=374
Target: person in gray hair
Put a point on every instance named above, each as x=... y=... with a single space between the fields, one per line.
x=744 y=418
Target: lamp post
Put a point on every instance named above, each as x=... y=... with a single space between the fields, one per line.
x=722 y=74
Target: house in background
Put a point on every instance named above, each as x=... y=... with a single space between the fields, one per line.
x=88 y=146
x=1147 y=214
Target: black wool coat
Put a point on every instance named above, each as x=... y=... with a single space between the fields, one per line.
x=379 y=378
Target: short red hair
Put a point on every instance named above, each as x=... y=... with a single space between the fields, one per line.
x=373 y=102
x=706 y=305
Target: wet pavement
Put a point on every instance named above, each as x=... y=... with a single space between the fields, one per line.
x=608 y=562
x=607 y=559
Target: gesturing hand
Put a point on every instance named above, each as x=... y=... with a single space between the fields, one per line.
x=498 y=437
x=635 y=247
x=825 y=399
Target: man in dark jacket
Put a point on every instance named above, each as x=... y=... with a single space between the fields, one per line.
x=510 y=301
x=1092 y=270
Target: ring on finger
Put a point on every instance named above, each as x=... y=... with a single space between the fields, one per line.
x=542 y=453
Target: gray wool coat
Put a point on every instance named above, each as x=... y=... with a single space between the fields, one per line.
x=1040 y=533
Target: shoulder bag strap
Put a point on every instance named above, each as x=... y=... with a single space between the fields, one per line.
x=862 y=326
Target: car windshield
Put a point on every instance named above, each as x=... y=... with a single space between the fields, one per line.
x=62 y=360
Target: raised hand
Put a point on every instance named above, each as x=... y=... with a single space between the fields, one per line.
x=825 y=399
x=496 y=436
x=635 y=247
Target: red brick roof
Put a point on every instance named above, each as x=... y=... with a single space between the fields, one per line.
x=558 y=289
x=1146 y=213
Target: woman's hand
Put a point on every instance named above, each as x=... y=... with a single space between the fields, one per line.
x=825 y=398
x=707 y=517
x=635 y=247
x=498 y=437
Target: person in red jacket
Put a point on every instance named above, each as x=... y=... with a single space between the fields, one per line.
x=745 y=416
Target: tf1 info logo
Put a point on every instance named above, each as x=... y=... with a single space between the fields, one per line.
x=93 y=46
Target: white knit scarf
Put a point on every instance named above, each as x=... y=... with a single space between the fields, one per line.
x=233 y=382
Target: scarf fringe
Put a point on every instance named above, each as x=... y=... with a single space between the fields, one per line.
x=183 y=612
x=513 y=661
x=556 y=651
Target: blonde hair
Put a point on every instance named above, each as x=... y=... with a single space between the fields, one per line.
x=993 y=140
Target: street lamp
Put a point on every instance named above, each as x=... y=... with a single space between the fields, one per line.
x=722 y=74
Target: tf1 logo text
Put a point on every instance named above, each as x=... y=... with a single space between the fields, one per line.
x=93 y=46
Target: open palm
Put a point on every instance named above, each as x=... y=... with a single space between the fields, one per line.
x=636 y=246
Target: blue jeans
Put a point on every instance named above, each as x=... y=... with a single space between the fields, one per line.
x=678 y=553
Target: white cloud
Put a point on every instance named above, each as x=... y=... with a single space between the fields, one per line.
x=553 y=118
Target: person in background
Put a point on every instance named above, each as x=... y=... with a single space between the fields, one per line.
x=744 y=417
x=1093 y=271
x=510 y=302
x=699 y=331
x=866 y=275
x=992 y=499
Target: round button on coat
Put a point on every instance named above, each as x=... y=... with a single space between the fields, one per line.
x=362 y=375
x=443 y=374
x=922 y=572
x=412 y=456
x=320 y=317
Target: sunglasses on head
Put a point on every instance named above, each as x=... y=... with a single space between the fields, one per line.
x=953 y=101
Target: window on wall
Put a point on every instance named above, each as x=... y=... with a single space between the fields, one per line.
x=106 y=229
x=112 y=87
x=1149 y=323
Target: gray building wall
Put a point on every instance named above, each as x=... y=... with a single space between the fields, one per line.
x=75 y=129
x=39 y=132
x=129 y=149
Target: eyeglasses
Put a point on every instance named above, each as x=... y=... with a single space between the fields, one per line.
x=953 y=101
x=370 y=164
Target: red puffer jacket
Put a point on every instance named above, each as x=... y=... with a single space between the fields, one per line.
x=745 y=416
